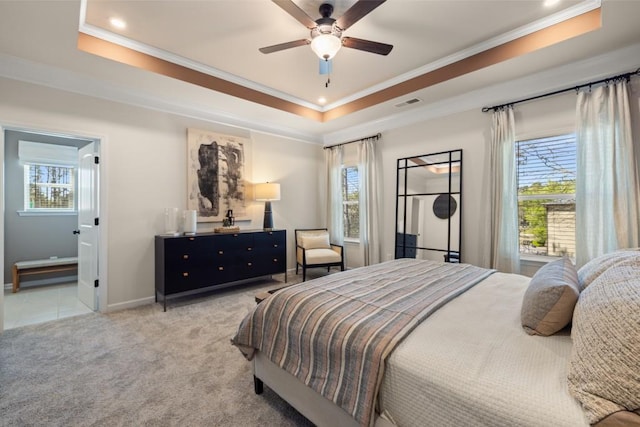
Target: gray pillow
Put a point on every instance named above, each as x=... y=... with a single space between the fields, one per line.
x=549 y=300
x=598 y=265
x=604 y=369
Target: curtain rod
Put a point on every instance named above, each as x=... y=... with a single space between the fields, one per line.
x=626 y=76
x=375 y=137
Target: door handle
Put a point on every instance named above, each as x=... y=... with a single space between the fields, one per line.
x=76 y=231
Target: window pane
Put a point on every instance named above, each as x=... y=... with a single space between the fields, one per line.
x=546 y=195
x=547 y=165
x=50 y=187
x=351 y=221
x=350 y=207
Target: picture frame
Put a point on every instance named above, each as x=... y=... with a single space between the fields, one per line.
x=218 y=168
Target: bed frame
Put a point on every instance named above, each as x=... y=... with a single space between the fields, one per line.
x=316 y=408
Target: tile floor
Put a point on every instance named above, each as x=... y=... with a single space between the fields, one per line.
x=41 y=304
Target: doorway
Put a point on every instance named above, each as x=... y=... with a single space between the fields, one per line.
x=33 y=234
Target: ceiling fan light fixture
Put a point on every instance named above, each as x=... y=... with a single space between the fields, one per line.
x=326 y=46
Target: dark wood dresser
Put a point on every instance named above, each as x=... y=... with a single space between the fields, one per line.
x=190 y=264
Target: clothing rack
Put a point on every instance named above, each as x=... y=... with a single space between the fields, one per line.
x=374 y=137
x=626 y=76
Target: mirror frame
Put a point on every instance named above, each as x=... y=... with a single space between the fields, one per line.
x=449 y=165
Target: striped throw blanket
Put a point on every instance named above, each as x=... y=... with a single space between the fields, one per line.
x=334 y=333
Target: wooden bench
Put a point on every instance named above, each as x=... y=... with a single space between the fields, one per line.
x=41 y=266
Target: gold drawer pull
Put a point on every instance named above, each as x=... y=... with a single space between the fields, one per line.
x=235 y=235
x=185 y=256
x=185 y=274
x=220 y=252
x=275 y=246
x=220 y=268
x=275 y=260
x=249 y=264
x=192 y=238
x=249 y=249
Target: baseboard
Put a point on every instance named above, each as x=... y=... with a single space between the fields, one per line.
x=291 y=272
x=130 y=304
x=43 y=282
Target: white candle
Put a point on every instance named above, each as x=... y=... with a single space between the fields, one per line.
x=190 y=222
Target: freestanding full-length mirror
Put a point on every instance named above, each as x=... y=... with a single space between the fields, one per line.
x=429 y=207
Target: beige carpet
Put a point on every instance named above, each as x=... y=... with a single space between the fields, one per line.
x=139 y=367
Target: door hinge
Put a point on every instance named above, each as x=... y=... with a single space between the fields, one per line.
x=96 y=283
x=96 y=160
x=96 y=221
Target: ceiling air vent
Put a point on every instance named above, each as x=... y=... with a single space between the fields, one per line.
x=408 y=102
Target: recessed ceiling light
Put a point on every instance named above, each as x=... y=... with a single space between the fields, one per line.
x=118 y=23
x=322 y=100
x=550 y=3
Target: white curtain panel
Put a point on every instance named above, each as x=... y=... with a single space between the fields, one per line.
x=370 y=171
x=333 y=157
x=607 y=179
x=505 y=252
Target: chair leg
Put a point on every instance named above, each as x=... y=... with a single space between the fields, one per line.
x=304 y=273
x=297 y=267
x=342 y=267
x=328 y=269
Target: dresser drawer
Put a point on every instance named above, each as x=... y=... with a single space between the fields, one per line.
x=187 y=279
x=188 y=251
x=271 y=239
x=270 y=263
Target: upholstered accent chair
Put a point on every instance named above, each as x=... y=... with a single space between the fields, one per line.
x=313 y=249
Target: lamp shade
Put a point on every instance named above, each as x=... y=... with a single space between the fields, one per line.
x=267 y=191
x=326 y=46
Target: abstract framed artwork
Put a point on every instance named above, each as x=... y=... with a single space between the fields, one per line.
x=217 y=174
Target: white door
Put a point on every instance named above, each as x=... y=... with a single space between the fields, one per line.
x=88 y=226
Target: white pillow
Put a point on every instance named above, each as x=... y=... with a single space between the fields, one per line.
x=316 y=241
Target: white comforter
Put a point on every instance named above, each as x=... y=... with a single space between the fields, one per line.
x=472 y=364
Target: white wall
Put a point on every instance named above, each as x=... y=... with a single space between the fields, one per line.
x=144 y=165
x=468 y=131
x=471 y=132
x=144 y=153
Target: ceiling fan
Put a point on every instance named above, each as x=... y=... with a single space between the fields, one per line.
x=326 y=32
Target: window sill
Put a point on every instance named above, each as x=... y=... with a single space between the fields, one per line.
x=539 y=259
x=542 y=259
x=47 y=213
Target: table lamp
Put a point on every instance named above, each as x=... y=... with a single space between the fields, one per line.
x=267 y=192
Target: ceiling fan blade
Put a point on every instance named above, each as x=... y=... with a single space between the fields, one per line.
x=357 y=12
x=283 y=46
x=300 y=15
x=367 y=45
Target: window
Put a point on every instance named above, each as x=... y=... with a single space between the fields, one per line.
x=546 y=173
x=48 y=187
x=351 y=202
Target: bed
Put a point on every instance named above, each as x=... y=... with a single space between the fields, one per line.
x=464 y=359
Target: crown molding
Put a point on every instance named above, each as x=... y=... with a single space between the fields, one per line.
x=529 y=29
x=556 y=18
x=615 y=62
x=598 y=67
x=15 y=68
x=128 y=43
